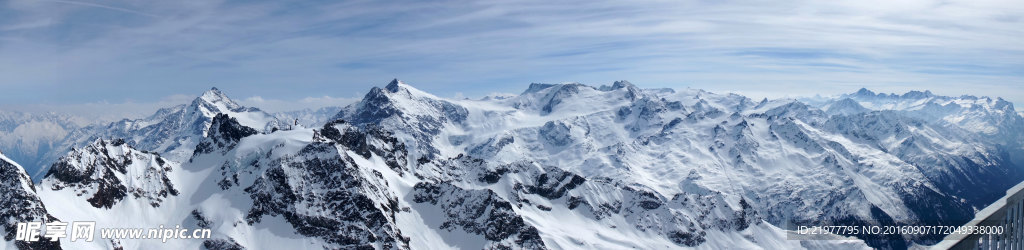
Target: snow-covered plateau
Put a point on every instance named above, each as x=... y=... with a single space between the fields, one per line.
x=559 y=166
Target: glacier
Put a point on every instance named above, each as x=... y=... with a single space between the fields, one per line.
x=559 y=166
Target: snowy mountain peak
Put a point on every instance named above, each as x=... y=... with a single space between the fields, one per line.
x=1004 y=105
x=914 y=94
x=536 y=87
x=393 y=86
x=993 y=117
x=864 y=92
x=632 y=92
x=622 y=84
x=214 y=102
x=638 y=168
x=108 y=171
x=846 y=106
x=173 y=132
x=400 y=88
x=909 y=95
x=916 y=100
x=214 y=97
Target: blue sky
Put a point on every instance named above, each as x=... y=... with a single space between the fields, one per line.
x=133 y=56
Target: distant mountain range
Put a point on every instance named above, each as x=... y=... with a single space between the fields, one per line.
x=561 y=166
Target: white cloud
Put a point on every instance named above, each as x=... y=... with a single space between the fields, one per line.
x=770 y=47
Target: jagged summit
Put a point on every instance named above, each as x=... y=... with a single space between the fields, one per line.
x=214 y=101
x=225 y=132
x=622 y=84
x=173 y=132
x=393 y=86
x=215 y=97
x=535 y=87
x=991 y=116
x=636 y=168
x=403 y=107
x=864 y=92
x=912 y=94
x=398 y=87
x=213 y=94
x=107 y=172
x=916 y=97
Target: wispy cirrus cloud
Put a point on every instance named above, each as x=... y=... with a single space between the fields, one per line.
x=84 y=51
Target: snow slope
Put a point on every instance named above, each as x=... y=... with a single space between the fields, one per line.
x=560 y=166
x=173 y=132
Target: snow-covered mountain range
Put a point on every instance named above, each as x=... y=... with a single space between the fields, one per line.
x=174 y=132
x=28 y=137
x=560 y=166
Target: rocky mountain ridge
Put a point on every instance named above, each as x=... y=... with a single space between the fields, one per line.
x=637 y=168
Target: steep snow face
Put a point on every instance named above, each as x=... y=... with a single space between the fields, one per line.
x=359 y=180
x=215 y=102
x=117 y=186
x=635 y=168
x=415 y=115
x=325 y=194
x=478 y=212
x=557 y=203
x=20 y=204
x=789 y=161
x=105 y=173
x=173 y=132
x=316 y=186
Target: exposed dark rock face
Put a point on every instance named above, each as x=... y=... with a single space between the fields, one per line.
x=480 y=212
x=326 y=195
x=100 y=170
x=21 y=204
x=552 y=184
x=172 y=131
x=612 y=157
x=402 y=110
x=557 y=97
x=201 y=220
x=683 y=219
x=368 y=141
x=222 y=244
x=224 y=134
